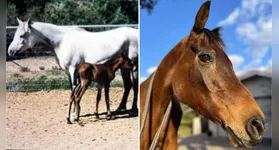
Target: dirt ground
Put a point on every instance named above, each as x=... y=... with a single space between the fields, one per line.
x=37 y=120
x=33 y=64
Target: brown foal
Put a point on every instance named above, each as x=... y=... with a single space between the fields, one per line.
x=102 y=74
x=198 y=73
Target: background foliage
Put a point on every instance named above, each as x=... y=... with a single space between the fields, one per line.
x=69 y=12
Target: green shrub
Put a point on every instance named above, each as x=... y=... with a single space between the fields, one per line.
x=45 y=83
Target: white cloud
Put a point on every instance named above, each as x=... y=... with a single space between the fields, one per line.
x=247 y=10
x=142 y=79
x=231 y=18
x=151 y=69
x=258 y=38
x=255 y=35
x=236 y=60
x=263 y=68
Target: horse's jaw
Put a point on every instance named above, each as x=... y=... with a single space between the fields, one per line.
x=238 y=141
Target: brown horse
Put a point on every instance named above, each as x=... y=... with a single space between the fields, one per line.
x=102 y=74
x=198 y=73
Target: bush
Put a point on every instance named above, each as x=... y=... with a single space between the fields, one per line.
x=45 y=83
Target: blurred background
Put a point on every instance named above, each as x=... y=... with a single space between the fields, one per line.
x=247 y=33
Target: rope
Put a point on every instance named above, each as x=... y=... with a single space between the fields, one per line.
x=17 y=64
x=147 y=101
x=165 y=118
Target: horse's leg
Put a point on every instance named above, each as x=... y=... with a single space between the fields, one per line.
x=170 y=141
x=125 y=73
x=107 y=100
x=72 y=99
x=73 y=76
x=98 y=99
x=135 y=89
x=74 y=96
x=70 y=80
x=79 y=95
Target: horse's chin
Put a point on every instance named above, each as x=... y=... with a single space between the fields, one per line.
x=238 y=142
x=18 y=52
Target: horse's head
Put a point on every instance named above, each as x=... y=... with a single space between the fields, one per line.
x=204 y=79
x=125 y=62
x=23 y=38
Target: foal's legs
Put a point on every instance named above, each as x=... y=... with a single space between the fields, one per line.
x=78 y=96
x=125 y=73
x=107 y=100
x=72 y=99
x=98 y=99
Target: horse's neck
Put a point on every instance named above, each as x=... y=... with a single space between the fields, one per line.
x=49 y=33
x=162 y=91
x=163 y=78
x=116 y=66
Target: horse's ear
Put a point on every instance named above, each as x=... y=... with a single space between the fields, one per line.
x=28 y=24
x=29 y=21
x=18 y=20
x=201 y=17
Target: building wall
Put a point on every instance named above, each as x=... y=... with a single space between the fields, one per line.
x=258 y=86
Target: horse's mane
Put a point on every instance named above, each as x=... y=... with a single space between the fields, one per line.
x=214 y=36
x=79 y=28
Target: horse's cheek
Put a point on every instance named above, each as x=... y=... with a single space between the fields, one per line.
x=180 y=85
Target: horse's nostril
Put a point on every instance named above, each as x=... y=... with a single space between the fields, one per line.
x=11 y=52
x=255 y=128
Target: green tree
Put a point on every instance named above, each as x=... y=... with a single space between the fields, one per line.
x=148 y=4
x=69 y=12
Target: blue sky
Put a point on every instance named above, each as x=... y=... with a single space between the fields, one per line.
x=247 y=31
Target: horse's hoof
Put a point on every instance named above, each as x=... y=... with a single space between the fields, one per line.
x=69 y=121
x=135 y=110
x=80 y=123
x=133 y=114
x=110 y=117
x=119 y=109
x=97 y=117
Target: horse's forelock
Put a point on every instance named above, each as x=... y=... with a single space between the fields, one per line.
x=214 y=36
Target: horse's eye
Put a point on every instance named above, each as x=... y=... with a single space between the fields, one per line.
x=21 y=36
x=206 y=58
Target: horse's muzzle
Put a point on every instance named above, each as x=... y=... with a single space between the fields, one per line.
x=255 y=128
x=12 y=52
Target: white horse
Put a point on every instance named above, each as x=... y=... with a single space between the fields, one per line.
x=73 y=45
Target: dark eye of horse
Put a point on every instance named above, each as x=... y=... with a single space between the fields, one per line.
x=22 y=36
x=206 y=58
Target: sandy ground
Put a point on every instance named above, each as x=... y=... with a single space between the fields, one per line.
x=33 y=64
x=38 y=121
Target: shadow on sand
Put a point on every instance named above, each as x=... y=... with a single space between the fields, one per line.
x=116 y=115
